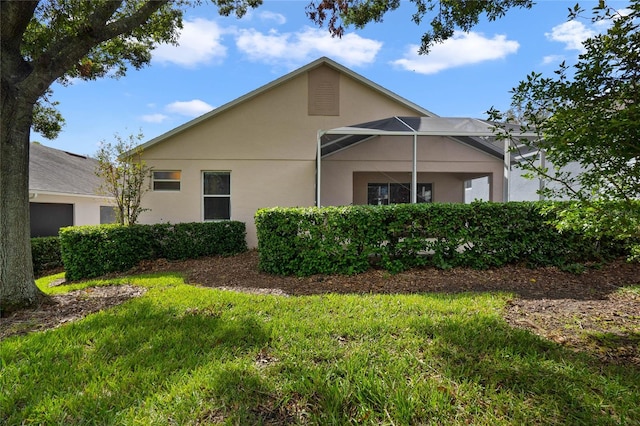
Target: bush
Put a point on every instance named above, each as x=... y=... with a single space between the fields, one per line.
x=193 y=240
x=91 y=251
x=45 y=253
x=617 y=219
x=347 y=240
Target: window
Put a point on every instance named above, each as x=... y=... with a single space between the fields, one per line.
x=217 y=195
x=425 y=193
x=107 y=214
x=396 y=193
x=166 y=180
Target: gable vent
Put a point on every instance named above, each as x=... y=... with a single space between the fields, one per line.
x=324 y=92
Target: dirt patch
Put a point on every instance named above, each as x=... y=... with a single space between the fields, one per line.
x=582 y=311
x=608 y=328
x=61 y=309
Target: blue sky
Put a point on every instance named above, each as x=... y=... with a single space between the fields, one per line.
x=220 y=59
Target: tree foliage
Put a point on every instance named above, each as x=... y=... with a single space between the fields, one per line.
x=588 y=113
x=55 y=25
x=88 y=40
x=124 y=176
x=446 y=15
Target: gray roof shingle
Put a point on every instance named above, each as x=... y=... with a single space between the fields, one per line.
x=52 y=170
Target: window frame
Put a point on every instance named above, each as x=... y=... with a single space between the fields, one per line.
x=154 y=180
x=107 y=218
x=205 y=196
x=397 y=185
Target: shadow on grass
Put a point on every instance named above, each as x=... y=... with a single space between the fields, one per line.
x=623 y=346
x=615 y=340
x=122 y=360
x=147 y=362
x=477 y=370
x=514 y=365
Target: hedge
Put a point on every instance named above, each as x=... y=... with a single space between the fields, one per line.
x=91 y=251
x=45 y=253
x=349 y=240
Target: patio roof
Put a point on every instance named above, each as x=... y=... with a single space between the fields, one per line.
x=477 y=133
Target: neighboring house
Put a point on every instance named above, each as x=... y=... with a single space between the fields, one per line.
x=63 y=191
x=296 y=142
x=520 y=188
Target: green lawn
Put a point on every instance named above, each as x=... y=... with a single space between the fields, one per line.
x=187 y=355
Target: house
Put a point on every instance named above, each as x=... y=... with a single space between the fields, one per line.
x=63 y=191
x=320 y=135
x=521 y=188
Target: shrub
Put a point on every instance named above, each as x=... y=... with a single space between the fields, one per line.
x=347 y=240
x=193 y=240
x=45 y=253
x=91 y=251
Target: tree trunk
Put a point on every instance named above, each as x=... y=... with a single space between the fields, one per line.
x=17 y=285
x=24 y=80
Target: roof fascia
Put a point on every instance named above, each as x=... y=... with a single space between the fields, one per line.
x=377 y=132
x=71 y=194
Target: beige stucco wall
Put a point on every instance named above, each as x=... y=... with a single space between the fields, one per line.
x=86 y=210
x=268 y=144
x=254 y=184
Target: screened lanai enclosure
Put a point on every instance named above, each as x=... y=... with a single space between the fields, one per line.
x=412 y=160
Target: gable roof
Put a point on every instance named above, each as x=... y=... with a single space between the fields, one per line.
x=60 y=172
x=315 y=64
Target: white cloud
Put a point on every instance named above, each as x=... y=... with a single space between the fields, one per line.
x=193 y=108
x=571 y=33
x=460 y=50
x=292 y=49
x=624 y=12
x=574 y=33
x=154 y=118
x=552 y=59
x=278 y=18
x=259 y=46
x=199 y=43
x=604 y=24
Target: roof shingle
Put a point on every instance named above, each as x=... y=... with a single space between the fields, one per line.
x=52 y=170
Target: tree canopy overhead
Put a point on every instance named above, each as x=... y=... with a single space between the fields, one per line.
x=446 y=15
x=73 y=39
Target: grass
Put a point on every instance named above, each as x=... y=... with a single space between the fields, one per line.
x=188 y=355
